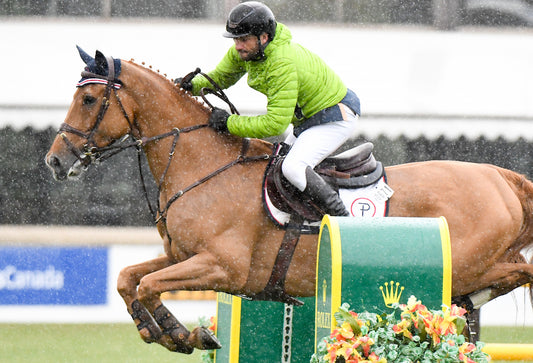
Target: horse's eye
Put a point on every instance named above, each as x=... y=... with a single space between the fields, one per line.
x=89 y=100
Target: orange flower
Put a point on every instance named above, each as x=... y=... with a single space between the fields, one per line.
x=403 y=327
x=213 y=326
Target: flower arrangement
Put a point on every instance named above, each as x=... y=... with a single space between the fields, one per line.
x=420 y=335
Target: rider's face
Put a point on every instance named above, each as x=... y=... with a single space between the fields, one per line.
x=248 y=46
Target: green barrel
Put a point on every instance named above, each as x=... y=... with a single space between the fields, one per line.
x=264 y=331
x=371 y=263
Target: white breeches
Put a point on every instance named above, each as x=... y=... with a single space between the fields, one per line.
x=314 y=145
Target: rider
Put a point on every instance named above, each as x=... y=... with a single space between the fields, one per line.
x=300 y=88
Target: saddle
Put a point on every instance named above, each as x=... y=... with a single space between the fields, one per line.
x=354 y=168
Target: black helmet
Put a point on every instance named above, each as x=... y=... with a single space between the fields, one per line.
x=250 y=17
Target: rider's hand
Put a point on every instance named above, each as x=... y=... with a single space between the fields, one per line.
x=218 y=119
x=187 y=86
x=186 y=81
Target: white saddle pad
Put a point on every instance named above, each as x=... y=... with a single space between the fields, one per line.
x=370 y=201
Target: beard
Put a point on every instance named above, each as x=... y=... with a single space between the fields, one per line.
x=250 y=56
x=253 y=54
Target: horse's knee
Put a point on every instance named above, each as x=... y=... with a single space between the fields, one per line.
x=126 y=284
x=146 y=292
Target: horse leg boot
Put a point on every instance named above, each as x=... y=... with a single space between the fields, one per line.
x=173 y=328
x=323 y=195
x=139 y=312
x=201 y=338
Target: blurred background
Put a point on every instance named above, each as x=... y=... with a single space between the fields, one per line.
x=438 y=79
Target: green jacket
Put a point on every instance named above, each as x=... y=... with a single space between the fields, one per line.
x=290 y=75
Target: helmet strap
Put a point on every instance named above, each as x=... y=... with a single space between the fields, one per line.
x=261 y=48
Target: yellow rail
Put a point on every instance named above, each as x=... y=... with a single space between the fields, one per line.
x=509 y=351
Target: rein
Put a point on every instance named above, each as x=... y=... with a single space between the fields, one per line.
x=92 y=153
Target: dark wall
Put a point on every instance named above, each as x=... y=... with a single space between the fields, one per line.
x=110 y=193
x=107 y=194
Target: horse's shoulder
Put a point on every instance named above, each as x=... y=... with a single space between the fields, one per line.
x=258 y=146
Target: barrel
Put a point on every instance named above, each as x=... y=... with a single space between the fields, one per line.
x=373 y=263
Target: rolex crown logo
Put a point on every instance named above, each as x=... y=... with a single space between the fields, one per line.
x=391 y=294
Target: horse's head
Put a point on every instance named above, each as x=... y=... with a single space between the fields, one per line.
x=96 y=118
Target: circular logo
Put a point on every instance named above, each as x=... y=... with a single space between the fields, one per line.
x=363 y=207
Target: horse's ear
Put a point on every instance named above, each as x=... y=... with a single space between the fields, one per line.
x=101 y=63
x=84 y=56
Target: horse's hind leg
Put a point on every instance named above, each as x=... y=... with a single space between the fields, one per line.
x=504 y=278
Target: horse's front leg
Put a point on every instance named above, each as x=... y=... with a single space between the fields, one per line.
x=200 y=272
x=127 y=283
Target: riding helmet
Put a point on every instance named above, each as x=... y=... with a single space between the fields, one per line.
x=251 y=17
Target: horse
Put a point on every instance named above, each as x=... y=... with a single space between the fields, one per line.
x=214 y=228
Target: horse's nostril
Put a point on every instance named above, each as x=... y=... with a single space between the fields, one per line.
x=54 y=162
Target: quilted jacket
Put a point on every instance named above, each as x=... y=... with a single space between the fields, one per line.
x=288 y=76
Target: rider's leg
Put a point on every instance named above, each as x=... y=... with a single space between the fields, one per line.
x=323 y=195
x=310 y=148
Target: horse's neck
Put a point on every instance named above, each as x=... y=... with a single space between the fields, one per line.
x=160 y=108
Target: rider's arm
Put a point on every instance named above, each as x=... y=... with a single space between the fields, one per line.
x=281 y=89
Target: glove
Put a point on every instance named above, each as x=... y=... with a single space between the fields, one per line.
x=218 y=120
x=186 y=82
x=187 y=86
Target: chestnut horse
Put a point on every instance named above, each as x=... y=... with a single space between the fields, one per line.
x=215 y=231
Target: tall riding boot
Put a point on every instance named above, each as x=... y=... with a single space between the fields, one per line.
x=323 y=195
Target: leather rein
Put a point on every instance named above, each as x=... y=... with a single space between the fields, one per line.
x=91 y=153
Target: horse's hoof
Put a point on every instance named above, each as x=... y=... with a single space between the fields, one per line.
x=205 y=339
x=182 y=345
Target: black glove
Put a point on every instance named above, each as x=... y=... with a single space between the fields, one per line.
x=218 y=120
x=186 y=82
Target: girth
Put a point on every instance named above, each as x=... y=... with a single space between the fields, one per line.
x=275 y=288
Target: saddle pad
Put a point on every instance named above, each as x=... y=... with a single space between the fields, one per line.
x=370 y=201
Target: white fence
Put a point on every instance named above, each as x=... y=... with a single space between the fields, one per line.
x=410 y=80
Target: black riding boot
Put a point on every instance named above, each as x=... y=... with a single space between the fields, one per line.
x=323 y=195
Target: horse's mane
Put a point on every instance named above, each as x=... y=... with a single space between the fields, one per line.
x=177 y=91
x=181 y=94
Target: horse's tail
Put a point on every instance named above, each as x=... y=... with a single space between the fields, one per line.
x=523 y=189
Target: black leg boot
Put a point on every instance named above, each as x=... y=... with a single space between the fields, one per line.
x=323 y=195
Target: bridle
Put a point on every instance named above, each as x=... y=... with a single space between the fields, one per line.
x=91 y=152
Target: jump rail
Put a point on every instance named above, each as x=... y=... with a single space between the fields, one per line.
x=77 y=235
x=499 y=351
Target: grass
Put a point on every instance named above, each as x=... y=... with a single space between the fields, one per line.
x=43 y=343
x=507 y=335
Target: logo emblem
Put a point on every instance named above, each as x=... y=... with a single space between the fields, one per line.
x=363 y=207
x=391 y=294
